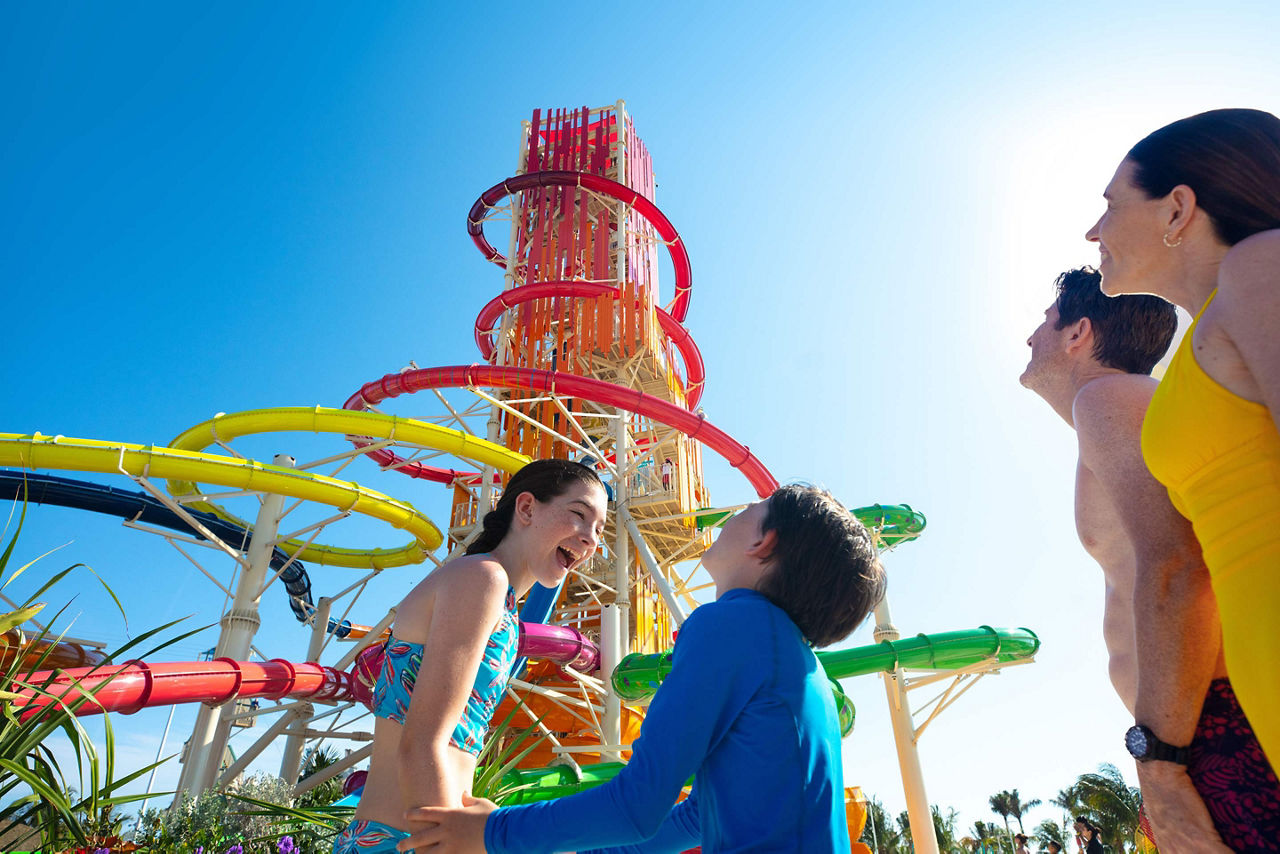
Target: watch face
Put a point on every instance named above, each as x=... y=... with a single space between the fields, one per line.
x=1136 y=740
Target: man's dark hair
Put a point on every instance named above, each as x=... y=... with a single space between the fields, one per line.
x=1229 y=158
x=1130 y=332
x=824 y=571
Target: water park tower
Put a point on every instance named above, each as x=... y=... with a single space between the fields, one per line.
x=582 y=360
x=581 y=299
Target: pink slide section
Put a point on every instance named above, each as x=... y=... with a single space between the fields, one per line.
x=561 y=644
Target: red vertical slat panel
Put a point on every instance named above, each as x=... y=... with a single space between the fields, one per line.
x=531 y=161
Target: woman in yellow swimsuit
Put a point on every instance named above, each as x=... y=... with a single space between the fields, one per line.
x=1193 y=215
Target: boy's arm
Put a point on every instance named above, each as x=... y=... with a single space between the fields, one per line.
x=680 y=831
x=698 y=701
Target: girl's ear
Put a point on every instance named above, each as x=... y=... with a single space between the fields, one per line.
x=523 y=512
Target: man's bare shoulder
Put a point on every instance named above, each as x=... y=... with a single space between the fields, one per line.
x=1112 y=394
x=1107 y=413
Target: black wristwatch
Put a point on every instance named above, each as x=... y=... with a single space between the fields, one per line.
x=1145 y=747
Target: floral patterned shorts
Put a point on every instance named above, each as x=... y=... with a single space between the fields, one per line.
x=368 y=837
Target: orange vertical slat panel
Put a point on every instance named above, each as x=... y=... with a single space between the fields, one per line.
x=604 y=335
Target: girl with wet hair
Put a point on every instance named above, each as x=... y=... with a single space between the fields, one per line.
x=446 y=664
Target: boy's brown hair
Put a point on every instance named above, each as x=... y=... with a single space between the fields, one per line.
x=824 y=571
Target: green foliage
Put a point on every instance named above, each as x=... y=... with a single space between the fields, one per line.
x=505 y=747
x=985 y=837
x=215 y=821
x=314 y=822
x=1017 y=808
x=904 y=830
x=1002 y=805
x=1050 y=831
x=880 y=835
x=317 y=760
x=1111 y=804
x=944 y=830
x=33 y=786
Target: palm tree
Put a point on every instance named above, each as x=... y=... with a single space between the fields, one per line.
x=944 y=829
x=1017 y=807
x=318 y=759
x=1050 y=831
x=985 y=834
x=1002 y=806
x=904 y=830
x=1068 y=800
x=1110 y=803
x=880 y=834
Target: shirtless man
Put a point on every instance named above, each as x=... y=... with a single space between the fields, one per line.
x=1091 y=360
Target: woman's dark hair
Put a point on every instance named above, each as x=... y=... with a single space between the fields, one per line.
x=1088 y=825
x=1229 y=158
x=544 y=480
x=824 y=571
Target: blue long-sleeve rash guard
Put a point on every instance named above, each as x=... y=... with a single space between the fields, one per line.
x=747 y=710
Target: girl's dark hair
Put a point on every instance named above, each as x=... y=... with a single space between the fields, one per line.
x=824 y=571
x=1088 y=825
x=1229 y=158
x=544 y=480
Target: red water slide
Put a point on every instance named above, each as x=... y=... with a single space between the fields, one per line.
x=696 y=373
x=692 y=424
x=136 y=685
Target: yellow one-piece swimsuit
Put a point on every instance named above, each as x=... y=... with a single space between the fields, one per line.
x=1219 y=456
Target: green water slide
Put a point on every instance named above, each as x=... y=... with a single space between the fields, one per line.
x=638 y=676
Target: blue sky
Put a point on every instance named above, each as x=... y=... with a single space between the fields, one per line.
x=210 y=209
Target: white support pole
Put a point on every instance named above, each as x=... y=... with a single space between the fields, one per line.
x=904 y=737
x=151 y=779
x=239 y=625
x=280 y=725
x=291 y=761
x=655 y=572
x=622 y=549
x=610 y=655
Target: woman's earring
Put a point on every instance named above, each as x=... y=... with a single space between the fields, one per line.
x=1174 y=244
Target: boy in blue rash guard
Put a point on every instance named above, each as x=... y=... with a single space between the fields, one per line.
x=746 y=709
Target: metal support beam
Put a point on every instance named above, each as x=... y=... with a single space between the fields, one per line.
x=239 y=625
x=904 y=738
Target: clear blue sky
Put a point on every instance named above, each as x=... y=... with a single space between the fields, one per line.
x=218 y=208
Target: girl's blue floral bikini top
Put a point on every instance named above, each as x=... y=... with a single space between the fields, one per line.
x=400 y=666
